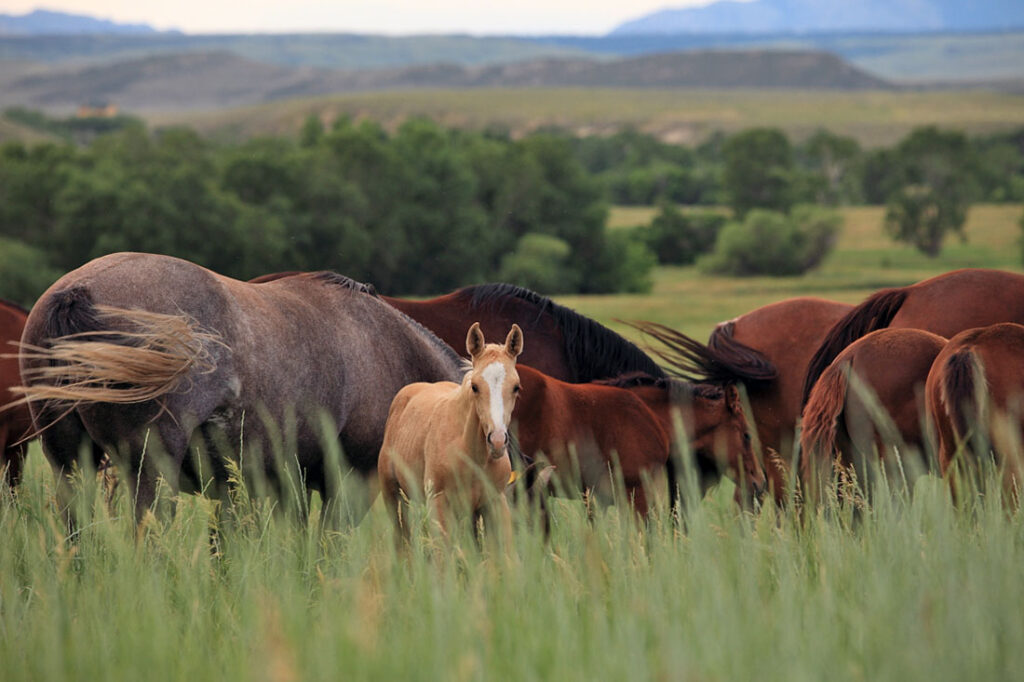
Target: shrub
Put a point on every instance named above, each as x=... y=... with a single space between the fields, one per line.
x=678 y=238
x=540 y=262
x=771 y=243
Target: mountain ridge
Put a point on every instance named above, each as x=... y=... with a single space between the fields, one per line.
x=47 y=22
x=809 y=16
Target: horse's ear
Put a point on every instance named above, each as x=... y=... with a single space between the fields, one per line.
x=474 y=340
x=732 y=399
x=514 y=341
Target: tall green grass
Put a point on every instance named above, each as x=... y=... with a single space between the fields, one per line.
x=913 y=588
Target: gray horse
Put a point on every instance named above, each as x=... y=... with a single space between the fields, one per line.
x=149 y=358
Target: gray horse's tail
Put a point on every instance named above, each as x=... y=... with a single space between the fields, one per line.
x=93 y=353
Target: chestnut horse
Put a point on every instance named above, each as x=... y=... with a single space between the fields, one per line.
x=782 y=335
x=944 y=305
x=135 y=344
x=975 y=396
x=841 y=422
x=15 y=421
x=447 y=443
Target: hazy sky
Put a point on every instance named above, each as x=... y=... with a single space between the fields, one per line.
x=364 y=16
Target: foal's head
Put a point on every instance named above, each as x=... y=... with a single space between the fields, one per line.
x=495 y=384
x=722 y=440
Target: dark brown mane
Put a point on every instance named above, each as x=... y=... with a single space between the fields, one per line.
x=592 y=350
x=691 y=360
x=874 y=313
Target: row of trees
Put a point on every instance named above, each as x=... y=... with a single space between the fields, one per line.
x=426 y=209
x=419 y=211
x=826 y=168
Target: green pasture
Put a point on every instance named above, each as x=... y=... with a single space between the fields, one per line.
x=912 y=588
x=683 y=116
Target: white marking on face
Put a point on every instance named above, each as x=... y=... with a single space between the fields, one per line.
x=494 y=375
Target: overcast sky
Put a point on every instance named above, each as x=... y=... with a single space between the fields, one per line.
x=363 y=16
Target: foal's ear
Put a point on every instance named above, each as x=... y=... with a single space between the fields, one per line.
x=732 y=399
x=474 y=340
x=514 y=341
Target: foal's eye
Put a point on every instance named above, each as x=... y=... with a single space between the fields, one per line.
x=476 y=389
x=515 y=389
x=746 y=437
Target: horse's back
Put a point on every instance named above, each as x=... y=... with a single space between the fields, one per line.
x=963 y=299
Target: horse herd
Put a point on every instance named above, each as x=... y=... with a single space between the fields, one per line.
x=173 y=370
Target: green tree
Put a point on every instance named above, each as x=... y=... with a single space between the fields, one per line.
x=758 y=170
x=936 y=170
x=25 y=272
x=678 y=238
x=833 y=158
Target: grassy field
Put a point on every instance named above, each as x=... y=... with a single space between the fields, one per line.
x=911 y=589
x=681 y=116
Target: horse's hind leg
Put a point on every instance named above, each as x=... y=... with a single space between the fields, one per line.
x=64 y=441
x=11 y=463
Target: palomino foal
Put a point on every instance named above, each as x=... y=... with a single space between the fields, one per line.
x=448 y=442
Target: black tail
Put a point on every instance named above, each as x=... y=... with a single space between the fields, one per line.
x=874 y=313
x=752 y=362
x=691 y=360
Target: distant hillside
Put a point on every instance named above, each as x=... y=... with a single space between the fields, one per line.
x=796 y=16
x=43 y=22
x=206 y=80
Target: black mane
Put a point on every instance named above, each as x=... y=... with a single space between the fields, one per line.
x=592 y=350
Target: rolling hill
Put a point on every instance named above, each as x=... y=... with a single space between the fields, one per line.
x=205 y=80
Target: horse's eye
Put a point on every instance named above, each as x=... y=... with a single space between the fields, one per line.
x=515 y=389
x=476 y=389
x=746 y=437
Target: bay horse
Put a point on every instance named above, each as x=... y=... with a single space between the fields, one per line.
x=15 y=421
x=563 y=343
x=447 y=443
x=714 y=424
x=783 y=336
x=884 y=371
x=975 y=397
x=945 y=305
x=627 y=426
x=131 y=345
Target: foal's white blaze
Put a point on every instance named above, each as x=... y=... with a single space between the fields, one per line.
x=494 y=375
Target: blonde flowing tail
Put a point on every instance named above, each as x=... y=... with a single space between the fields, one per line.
x=102 y=354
